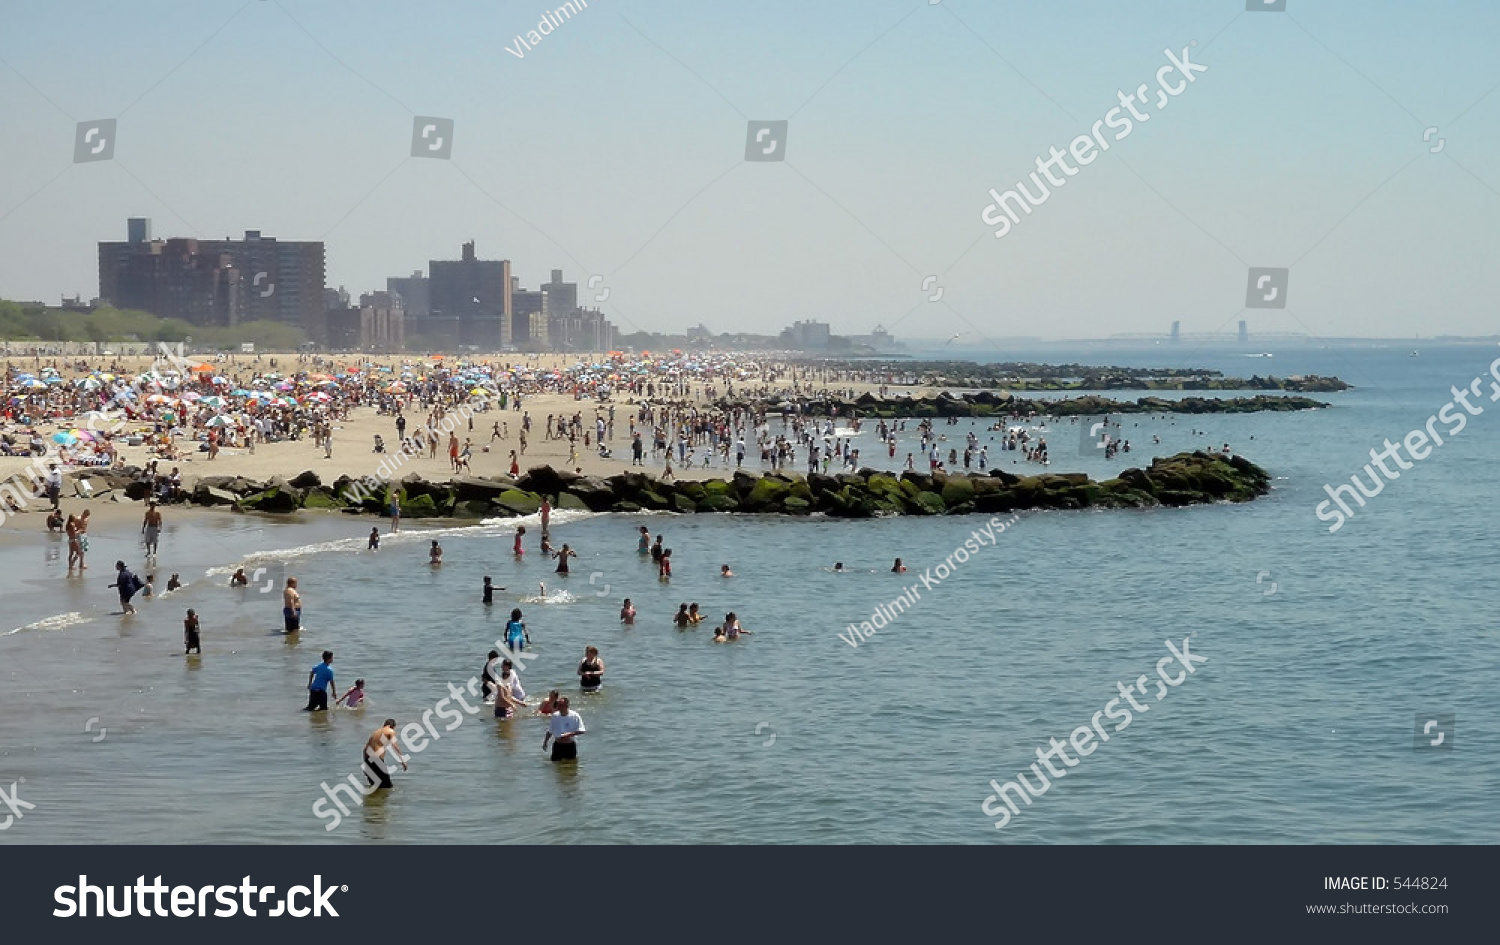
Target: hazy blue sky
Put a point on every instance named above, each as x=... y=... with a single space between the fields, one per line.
x=616 y=147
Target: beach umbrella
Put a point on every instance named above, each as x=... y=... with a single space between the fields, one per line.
x=192 y=395
x=219 y=421
x=221 y=382
x=65 y=438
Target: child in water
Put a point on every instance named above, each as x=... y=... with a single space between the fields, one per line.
x=627 y=612
x=190 y=639
x=174 y=582
x=355 y=697
x=724 y=571
x=489 y=590
x=375 y=539
x=520 y=533
x=682 y=619
x=150 y=588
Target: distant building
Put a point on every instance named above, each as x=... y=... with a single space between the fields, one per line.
x=413 y=293
x=1176 y=332
x=561 y=297
x=191 y=279
x=470 y=300
x=701 y=333
x=176 y=278
x=528 y=323
x=581 y=330
x=1244 y=332
x=807 y=336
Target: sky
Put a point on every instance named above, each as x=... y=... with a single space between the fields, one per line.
x=616 y=148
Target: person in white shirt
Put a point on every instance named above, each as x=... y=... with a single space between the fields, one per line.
x=563 y=728
x=509 y=696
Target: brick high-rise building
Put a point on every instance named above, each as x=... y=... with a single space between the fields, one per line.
x=276 y=280
x=470 y=300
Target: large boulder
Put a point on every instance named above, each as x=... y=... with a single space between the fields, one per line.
x=595 y=493
x=208 y=495
x=479 y=489
x=718 y=503
x=519 y=502
x=568 y=500
x=321 y=498
x=420 y=506
x=544 y=480
x=472 y=509
x=765 y=496
x=306 y=479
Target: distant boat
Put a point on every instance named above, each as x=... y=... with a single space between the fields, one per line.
x=1415 y=354
x=1263 y=354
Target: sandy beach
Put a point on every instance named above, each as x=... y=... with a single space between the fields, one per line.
x=354 y=436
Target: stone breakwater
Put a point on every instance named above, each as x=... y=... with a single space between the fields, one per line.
x=989 y=404
x=1184 y=479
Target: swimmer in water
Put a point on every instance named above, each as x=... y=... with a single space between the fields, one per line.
x=591 y=670
x=238 y=579
x=643 y=544
x=664 y=565
x=190 y=638
x=732 y=626
x=694 y=617
x=838 y=567
x=174 y=582
x=520 y=533
x=719 y=636
x=549 y=704
x=724 y=571
x=656 y=549
x=354 y=698
x=435 y=553
x=898 y=567
x=546 y=544
x=374 y=760
x=516 y=636
x=489 y=590
x=562 y=558
x=374 y=539
x=627 y=613
x=682 y=619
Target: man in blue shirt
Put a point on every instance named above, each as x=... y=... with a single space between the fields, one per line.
x=319 y=682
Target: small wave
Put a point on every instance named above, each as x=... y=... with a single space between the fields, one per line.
x=553 y=597
x=534 y=520
x=55 y=622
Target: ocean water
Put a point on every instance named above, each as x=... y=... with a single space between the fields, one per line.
x=1324 y=652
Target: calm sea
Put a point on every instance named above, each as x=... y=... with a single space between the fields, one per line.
x=1325 y=653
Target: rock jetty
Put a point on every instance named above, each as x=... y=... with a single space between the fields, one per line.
x=1188 y=478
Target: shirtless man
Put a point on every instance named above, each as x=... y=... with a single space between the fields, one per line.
x=151 y=528
x=374 y=762
x=291 y=606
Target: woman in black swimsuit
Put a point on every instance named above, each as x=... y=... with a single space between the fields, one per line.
x=591 y=670
x=562 y=558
